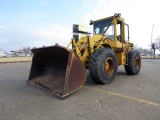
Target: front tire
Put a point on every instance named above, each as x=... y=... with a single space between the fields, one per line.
x=103 y=65
x=134 y=63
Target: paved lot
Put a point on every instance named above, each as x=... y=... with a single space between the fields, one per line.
x=126 y=98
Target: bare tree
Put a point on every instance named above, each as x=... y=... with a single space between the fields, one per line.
x=158 y=41
x=27 y=50
x=142 y=51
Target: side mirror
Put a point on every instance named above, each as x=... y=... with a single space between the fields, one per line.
x=91 y=22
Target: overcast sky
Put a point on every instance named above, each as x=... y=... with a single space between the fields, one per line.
x=46 y=22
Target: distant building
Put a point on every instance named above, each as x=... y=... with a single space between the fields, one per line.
x=19 y=53
x=3 y=53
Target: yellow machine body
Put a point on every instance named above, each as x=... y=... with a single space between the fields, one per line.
x=85 y=46
x=62 y=71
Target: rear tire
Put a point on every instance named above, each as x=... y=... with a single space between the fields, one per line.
x=103 y=65
x=134 y=63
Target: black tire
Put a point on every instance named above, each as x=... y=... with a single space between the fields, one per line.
x=134 y=63
x=103 y=65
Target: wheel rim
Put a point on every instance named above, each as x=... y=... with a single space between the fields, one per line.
x=109 y=66
x=137 y=63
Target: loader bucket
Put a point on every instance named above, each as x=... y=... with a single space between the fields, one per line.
x=56 y=70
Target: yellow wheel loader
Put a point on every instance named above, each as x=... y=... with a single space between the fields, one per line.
x=61 y=71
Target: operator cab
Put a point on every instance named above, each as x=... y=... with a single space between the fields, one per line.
x=112 y=28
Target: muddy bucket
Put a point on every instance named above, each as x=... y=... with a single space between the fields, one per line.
x=56 y=70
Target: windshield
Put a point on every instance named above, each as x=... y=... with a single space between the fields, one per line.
x=101 y=26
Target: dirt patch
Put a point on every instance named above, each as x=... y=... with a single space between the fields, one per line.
x=15 y=59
